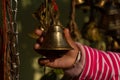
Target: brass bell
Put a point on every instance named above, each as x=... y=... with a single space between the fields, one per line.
x=79 y=1
x=54 y=40
x=101 y=3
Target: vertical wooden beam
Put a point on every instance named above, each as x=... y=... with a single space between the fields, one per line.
x=1 y=55
x=4 y=46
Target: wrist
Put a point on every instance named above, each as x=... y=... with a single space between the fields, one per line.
x=79 y=63
x=76 y=69
x=78 y=57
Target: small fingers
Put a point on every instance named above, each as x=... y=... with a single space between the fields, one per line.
x=56 y=62
x=39 y=40
x=68 y=37
x=38 y=32
x=37 y=46
x=38 y=43
x=47 y=62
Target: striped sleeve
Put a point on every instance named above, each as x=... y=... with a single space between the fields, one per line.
x=100 y=65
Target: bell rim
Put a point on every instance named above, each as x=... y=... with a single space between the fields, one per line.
x=56 y=49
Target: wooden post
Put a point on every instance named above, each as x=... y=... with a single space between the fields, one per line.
x=4 y=42
x=1 y=55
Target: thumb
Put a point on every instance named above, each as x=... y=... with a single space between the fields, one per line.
x=68 y=37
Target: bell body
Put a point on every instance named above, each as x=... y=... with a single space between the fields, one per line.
x=54 y=41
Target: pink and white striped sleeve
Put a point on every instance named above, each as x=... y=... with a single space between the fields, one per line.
x=100 y=65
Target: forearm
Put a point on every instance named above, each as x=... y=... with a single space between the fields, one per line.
x=95 y=64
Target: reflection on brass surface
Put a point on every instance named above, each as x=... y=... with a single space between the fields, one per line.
x=80 y=1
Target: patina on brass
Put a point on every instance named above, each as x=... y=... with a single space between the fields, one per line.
x=54 y=38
